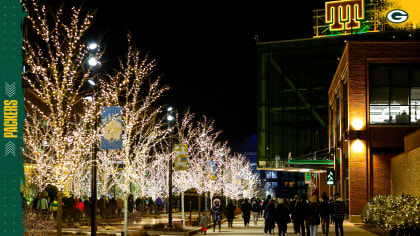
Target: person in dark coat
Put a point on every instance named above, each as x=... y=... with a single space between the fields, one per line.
x=264 y=205
x=339 y=213
x=282 y=216
x=299 y=214
x=138 y=202
x=88 y=210
x=35 y=203
x=256 y=209
x=71 y=210
x=101 y=206
x=246 y=212
x=312 y=215
x=216 y=212
x=293 y=205
x=326 y=210
x=130 y=204
x=230 y=212
x=269 y=217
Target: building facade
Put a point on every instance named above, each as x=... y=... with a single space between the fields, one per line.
x=373 y=104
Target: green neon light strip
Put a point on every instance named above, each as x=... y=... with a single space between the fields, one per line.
x=311 y=162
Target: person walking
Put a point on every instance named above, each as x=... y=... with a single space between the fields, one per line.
x=256 y=209
x=269 y=217
x=312 y=215
x=204 y=222
x=81 y=208
x=246 y=212
x=264 y=204
x=326 y=211
x=43 y=206
x=119 y=205
x=88 y=210
x=101 y=206
x=159 y=204
x=282 y=216
x=53 y=208
x=339 y=212
x=293 y=213
x=299 y=214
x=216 y=211
x=138 y=204
x=131 y=204
x=230 y=213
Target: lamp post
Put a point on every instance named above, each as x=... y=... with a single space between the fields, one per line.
x=94 y=63
x=170 y=119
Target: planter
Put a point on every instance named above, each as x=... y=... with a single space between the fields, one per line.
x=158 y=232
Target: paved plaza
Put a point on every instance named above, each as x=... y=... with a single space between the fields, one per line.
x=253 y=230
x=238 y=228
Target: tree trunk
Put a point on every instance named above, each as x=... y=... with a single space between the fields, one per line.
x=105 y=213
x=59 y=212
x=182 y=206
x=125 y=213
x=199 y=206
x=205 y=201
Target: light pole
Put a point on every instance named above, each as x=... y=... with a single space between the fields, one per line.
x=170 y=119
x=94 y=63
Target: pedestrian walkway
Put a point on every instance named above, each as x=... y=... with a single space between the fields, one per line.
x=239 y=229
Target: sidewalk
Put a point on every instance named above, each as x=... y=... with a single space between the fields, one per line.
x=253 y=230
x=238 y=227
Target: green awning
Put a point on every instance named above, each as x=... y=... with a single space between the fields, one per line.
x=311 y=162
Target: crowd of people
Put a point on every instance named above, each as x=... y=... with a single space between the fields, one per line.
x=306 y=214
x=75 y=209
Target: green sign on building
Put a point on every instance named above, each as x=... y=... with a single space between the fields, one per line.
x=330 y=177
x=307 y=178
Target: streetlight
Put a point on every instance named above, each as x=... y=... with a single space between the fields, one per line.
x=92 y=82
x=93 y=62
x=170 y=119
x=92 y=46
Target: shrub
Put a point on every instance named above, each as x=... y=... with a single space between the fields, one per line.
x=178 y=227
x=159 y=226
x=397 y=215
x=148 y=226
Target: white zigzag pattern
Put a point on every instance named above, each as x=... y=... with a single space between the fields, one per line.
x=10 y=149
x=9 y=89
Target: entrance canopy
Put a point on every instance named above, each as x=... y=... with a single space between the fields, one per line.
x=300 y=165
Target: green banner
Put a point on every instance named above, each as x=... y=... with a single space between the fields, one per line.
x=13 y=115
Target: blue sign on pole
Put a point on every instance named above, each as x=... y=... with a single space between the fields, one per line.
x=112 y=128
x=212 y=167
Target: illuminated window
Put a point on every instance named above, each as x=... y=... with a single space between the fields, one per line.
x=271 y=174
x=394 y=94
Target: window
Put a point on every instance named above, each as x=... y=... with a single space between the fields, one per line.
x=271 y=175
x=394 y=94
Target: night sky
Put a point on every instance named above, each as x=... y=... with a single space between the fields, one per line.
x=206 y=50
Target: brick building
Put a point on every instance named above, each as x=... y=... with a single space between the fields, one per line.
x=374 y=102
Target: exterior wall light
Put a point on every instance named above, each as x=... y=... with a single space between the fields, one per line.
x=357 y=146
x=357 y=123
